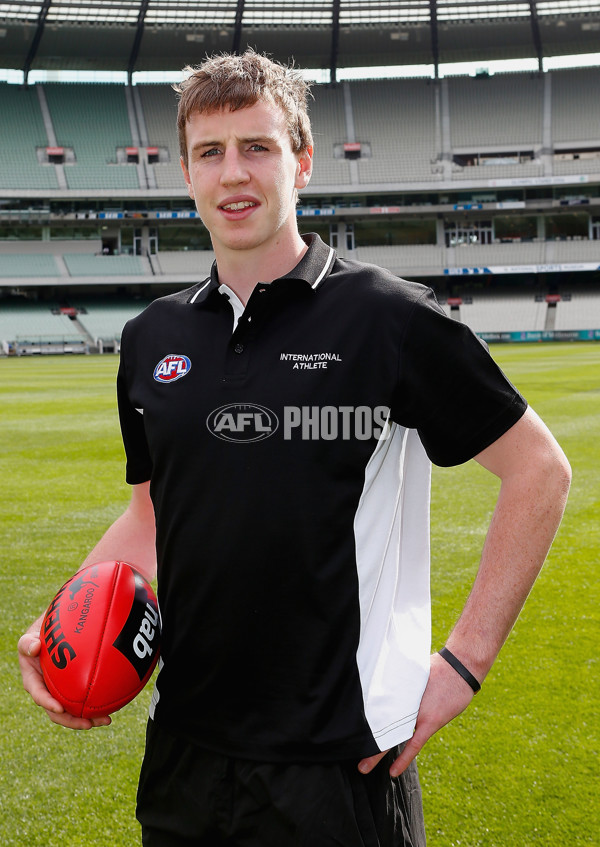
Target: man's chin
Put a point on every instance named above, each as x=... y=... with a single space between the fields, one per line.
x=240 y=242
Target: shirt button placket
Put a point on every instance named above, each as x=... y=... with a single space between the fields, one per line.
x=239 y=350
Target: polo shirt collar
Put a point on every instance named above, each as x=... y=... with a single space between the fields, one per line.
x=313 y=268
x=316 y=263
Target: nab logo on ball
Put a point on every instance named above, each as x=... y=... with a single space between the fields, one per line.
x=100 y=639
x=139 y=637
x=172 y=368
x=242 y=422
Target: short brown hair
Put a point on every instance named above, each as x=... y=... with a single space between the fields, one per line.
x=234 y=82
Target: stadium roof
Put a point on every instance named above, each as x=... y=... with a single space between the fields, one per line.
x=147 y=35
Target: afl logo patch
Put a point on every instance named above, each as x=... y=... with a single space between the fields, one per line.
x=242 y=422
x=172 y=368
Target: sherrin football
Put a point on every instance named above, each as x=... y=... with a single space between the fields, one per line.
x=100 y=639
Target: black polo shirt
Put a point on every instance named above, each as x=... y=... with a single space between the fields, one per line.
x=288 y=446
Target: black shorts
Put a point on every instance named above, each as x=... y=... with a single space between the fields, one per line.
x=190 y=797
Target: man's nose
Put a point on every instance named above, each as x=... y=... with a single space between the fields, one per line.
x=234 y=168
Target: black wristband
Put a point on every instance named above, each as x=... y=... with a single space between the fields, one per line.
x=460 y=668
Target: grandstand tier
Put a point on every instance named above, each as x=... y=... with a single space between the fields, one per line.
x=123 y=139
x=471 y=184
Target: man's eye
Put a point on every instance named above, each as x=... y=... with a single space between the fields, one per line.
x=211 y=152
x=257 y=147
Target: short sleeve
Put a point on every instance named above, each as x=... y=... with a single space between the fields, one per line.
x=139 y=461
x=449 y=387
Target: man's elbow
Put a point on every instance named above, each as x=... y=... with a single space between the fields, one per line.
x=563 y=474
x=552 y=472
x=542 y=457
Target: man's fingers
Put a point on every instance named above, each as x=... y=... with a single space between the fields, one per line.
x=71 y=722
x=29 y=645
x=31 y=671
x=411 y=749
x=446 y=696
x=33 y=683
x=367 y=765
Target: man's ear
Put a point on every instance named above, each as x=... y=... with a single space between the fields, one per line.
x=186 y=176
x=304 y=171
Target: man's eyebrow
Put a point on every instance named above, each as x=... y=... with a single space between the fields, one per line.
x=268 y=138
x=200 y=144
x=250 y=140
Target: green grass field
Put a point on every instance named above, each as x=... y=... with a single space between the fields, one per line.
x=518 y=769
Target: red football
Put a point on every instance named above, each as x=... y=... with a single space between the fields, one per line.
x=100 y=639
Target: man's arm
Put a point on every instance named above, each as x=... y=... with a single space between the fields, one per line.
x=535 y=477
x=131 y=538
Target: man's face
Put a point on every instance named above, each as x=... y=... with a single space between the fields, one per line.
x=243 y=176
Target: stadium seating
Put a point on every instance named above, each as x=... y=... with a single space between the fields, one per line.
x=577 y=250
x=489 y=114
x=575 y=118
x=411 y=257
x=159 y=105
x=582 y=311
x=93 y=120
x=496 y=111
x=576 y=166
x=483 y=255
x=525 y=169
x=82 y=264
x=23 y=132
x=28 y=265
x=104 y=318
x=329 y=129
x=30 y=321
x=403 y=259
x=195 y=262
x=406 y=127
x=398 y=119
x=514 y=312
x=576 y=105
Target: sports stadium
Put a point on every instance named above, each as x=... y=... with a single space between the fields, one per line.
x=457 y=144
x=485 y=186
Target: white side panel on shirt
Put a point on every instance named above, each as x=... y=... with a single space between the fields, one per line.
x=391 y=531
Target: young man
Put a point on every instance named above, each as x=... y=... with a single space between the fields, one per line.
x=279 y=419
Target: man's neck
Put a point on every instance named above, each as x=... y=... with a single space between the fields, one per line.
x=241 y=270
